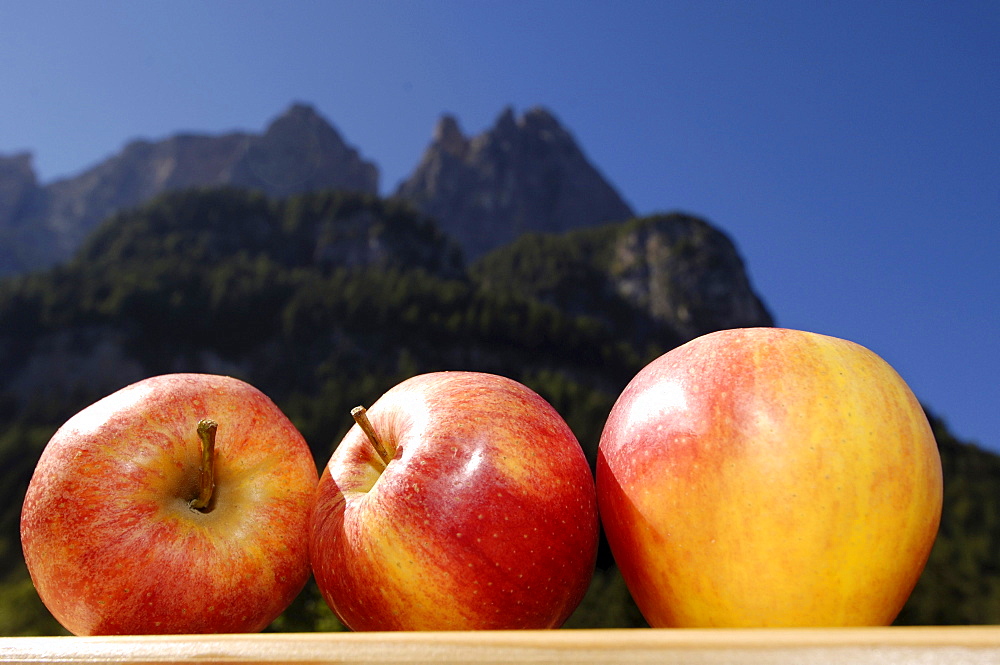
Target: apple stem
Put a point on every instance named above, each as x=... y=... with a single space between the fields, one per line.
x=360 y=415
x=206 y=432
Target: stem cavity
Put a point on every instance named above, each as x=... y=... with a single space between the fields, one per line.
x=206 y=432
x=360 y=415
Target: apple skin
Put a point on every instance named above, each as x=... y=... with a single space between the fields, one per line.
x=768 y=477
x=484 y=518
x=109 y=537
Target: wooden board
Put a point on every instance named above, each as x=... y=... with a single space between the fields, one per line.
x=836 y=646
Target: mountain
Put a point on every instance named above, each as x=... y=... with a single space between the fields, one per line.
x=230 y=281
x=523 y=174
x=299 y=151
x=660 y=280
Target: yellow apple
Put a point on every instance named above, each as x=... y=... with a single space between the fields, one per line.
x=769 y=477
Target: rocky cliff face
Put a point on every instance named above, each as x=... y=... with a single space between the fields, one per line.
x=524 y=174
x=686 y=275
x=660 y=280
x=299 y=152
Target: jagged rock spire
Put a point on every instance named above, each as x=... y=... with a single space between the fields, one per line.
x=523 y=174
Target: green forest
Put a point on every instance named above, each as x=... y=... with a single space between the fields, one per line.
x=326 y=300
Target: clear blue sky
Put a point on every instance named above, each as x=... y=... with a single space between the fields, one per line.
x=850 y=149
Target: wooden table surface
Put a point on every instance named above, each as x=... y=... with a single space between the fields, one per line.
x=951 y=645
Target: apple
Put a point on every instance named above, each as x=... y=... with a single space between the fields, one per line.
x=179 y=504
x=769 y=477
x=479 y=513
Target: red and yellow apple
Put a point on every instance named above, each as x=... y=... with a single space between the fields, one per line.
x=768 y=477
x=480 y=512
x=179 y=504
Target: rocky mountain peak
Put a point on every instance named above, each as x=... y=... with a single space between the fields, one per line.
x=302 y=114
x=523 y=174
x=506 y=123
x=18 y=165
x=448 y=137
x=17 y=184
x=538 y=120
x=298 y=152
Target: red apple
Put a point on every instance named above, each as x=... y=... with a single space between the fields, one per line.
x=134 y=522
x=483 y=514
x=766 y=477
